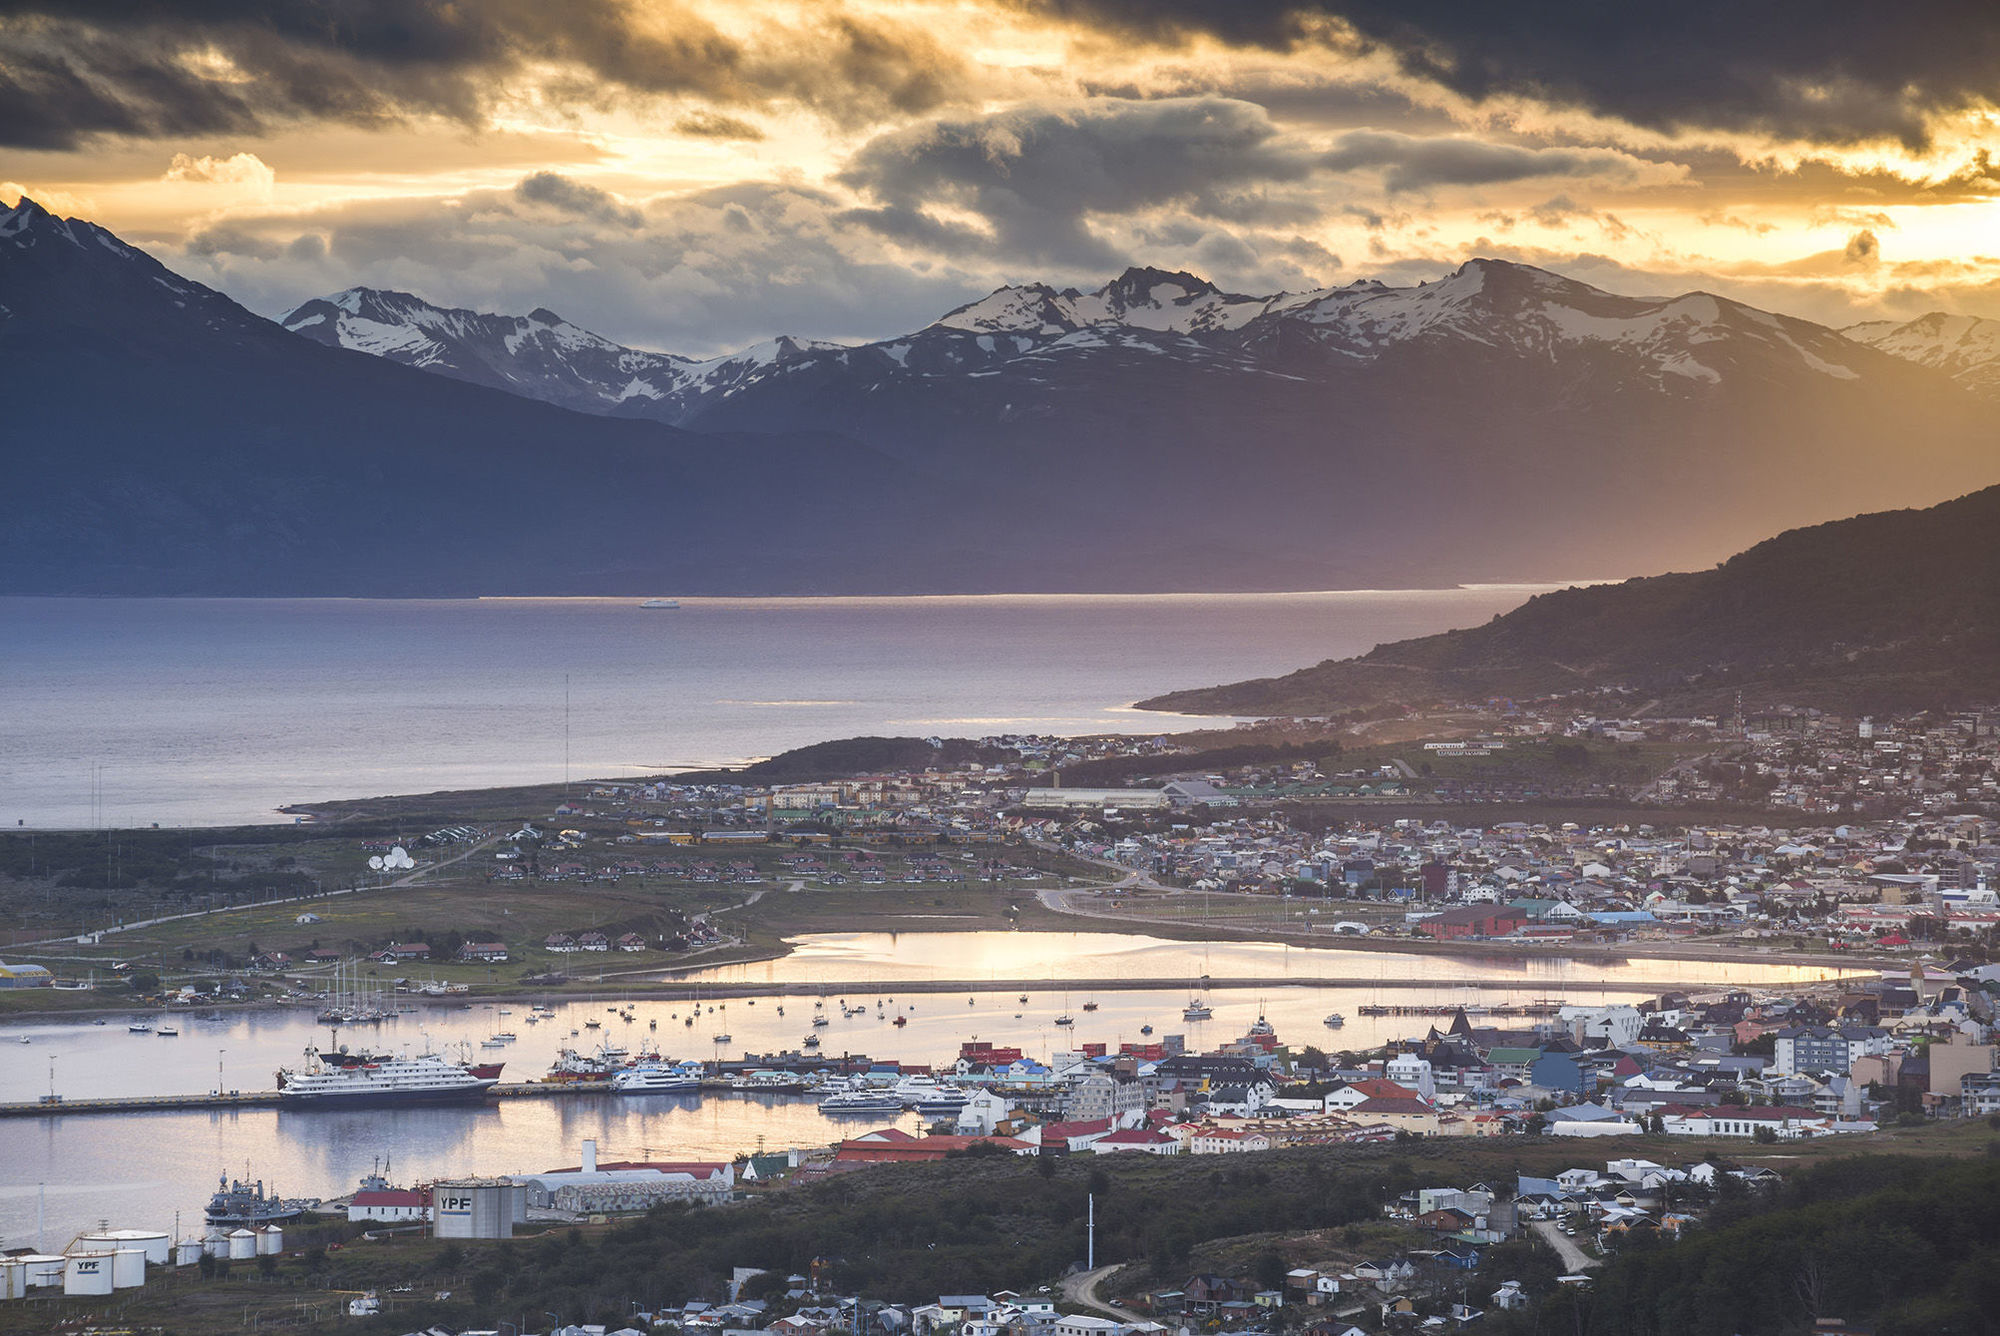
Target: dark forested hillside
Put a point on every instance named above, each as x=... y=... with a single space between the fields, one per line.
x=1893 y=609
x=1910 y=1249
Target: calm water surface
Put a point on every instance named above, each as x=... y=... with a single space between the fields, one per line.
x=139 y=1170
x=202 y=711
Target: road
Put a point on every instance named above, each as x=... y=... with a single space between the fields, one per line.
x=1574 y=1259
x=314 y=897
x=1081 y=1290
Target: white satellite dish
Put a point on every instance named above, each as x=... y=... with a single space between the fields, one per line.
x=375 y=862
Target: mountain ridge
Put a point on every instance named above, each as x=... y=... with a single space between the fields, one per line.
x=1894 y=609
x=1501 y=424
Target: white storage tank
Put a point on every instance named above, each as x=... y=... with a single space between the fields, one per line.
x=43 y=1269
x=87 y=1273
x=187 y=1252
x=13 y=1279
x=271 y=1241
x=128 y=1268
x=477 y=1208
x=215 y=1243
x=156 y=1245
x=242 y=1244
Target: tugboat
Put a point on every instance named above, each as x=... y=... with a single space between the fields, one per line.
x=245 y=1204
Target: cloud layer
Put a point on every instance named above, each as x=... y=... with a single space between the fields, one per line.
x=699 y=174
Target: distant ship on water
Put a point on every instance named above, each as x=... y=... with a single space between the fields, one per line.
x=668 y=603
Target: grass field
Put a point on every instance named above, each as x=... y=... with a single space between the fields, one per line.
x=464 y=900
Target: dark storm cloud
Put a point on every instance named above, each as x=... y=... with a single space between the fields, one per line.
x=1035 y=175
x=1833 y=71
x=1410 y=162
x=72 y=69
x=586 y=201
x=715 y=125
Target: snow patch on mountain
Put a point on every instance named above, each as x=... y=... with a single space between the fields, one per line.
x=1964 y=347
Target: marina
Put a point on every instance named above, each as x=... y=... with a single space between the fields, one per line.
x=123 y=1099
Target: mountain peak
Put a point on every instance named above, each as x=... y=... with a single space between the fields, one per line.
x=1143 y=280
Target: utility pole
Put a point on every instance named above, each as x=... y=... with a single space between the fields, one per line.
x=1090 y=1246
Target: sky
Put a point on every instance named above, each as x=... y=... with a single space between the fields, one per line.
x=698 y=175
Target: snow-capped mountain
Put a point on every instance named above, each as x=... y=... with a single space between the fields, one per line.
x=1499 y=423
x=1674 y=346
x=540 y=354
x=162 y=439
x=1964 y=347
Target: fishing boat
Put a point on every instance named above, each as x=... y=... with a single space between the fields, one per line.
x=1065 y=1019
x=1196 y=1010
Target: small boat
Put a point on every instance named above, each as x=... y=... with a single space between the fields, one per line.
x=661 y=604
x=899 y=1022
x=1090 y=1006
x=653 y=1024
x=100 y=1021
x=820 y=1021
x=811 y=1041
x=1022 y=999
x=168 y=1032
x=724 y=1039
x=140 y=1027
x=1334 y=1020
x=593 y=1025
x=21 y=1039
x=1196 y=1010
x=1065 y=1019
x=1145 y=1029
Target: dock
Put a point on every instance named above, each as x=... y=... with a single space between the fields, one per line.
x=63 y=1106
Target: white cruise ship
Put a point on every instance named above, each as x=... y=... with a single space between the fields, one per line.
x=862 y=1101
x=658 y=1079
x=380 y=1080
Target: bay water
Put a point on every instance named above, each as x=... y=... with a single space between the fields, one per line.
x=130 y=712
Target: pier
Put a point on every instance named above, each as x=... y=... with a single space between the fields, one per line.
x=61 y=1106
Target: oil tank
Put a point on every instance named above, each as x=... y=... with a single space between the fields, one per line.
x=87 y=1273
x=187 y=1252
x=215 y=1243
x=156 y=1245
x=128 y=1268
x=242 y=1245
x=477 y=1208
x=270 y=1241
x=43 y=1269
